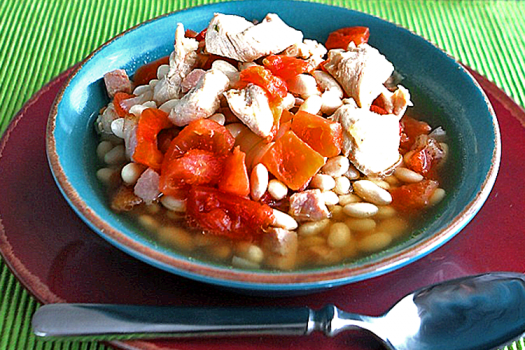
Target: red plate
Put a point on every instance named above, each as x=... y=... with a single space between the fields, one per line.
x=59 y=259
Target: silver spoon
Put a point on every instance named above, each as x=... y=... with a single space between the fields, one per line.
x=476 y=312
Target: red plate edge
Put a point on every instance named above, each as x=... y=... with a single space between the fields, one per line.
x=58 y=259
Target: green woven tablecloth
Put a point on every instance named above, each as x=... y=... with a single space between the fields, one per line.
x=41 y=38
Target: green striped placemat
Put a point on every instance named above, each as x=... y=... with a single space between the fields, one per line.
x=41 y=38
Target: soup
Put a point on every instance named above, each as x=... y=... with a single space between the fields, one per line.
x=268 y=152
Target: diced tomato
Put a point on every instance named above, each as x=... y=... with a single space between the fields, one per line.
x=274 y=86
x=117 y=99
x=292 y=161
x=286 y=116
x=234 y=178
x=340 y=38
x=147 y=72
x=202 y=134
x=165 y=137
x=410 y=130
x=323 y=135
x=426 y=153
x=195 y=167
x=201 y=35
x=151 y=122
x=285 y=67
x=413 y=197
x=226 y=214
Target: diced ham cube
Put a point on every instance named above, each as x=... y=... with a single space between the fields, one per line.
x=281 y=246
x=308 y=205
x=117 y=81
x=147 y=186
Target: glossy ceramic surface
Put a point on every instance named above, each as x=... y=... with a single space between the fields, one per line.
x=59 y=259
x=443 y=92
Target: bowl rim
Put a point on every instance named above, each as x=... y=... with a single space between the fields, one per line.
x=264 y=279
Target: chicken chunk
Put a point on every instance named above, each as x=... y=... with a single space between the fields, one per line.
x=361 y=71
x=396 y=102
x=117 y=81
x=235 y=37
x=251 y=106
x=308 y=205
x=202 y=101
x=282 y=247
x=182 y=60
x=370 y=140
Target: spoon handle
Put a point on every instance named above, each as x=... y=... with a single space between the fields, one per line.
x=120 y=322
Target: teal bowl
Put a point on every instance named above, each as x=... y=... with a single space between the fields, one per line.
x=443 y=92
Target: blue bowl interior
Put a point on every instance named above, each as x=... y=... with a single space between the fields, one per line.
x=442 y=91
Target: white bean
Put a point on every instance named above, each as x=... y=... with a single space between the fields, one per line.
x=148 y=222
x=396 y=226
x=168 y=105
x=304 y=85
x=348 y=198
x=312 y=228
x=117 y=127
x=330 y=102
x=312 y=104
x=283 y=220
x=406 y=175
x=236 y=128
x=219 y=118
x=163 y=70
x=153 y=82
x=103 y=148
x=360 y=210
x=137 y=110
x=176 y=236
x=323 y=182
x=374 y=242
x=342 y=185
x=258 y=181
x=115 y=156
x=242 y=263
x=385 y=212
x=372 y=193
x=277 y=189
x=365 y=224
x=288 y=101
x=249 y=251
x=131 y=172
x=139 y=90
x=106 y=176
x=173 y=204
x=336 y=166
x=437 y=196
x=339 y=235
x=330 y=197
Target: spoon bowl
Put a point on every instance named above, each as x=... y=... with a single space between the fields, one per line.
x=470 y=313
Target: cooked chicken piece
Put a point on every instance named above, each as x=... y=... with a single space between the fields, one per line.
x=182 y=60
x=231 y=72
x=235 y=37
x=396 y=102
x=104 y=120
x=117 y=81
x=310 y=50
x=251 y=106
x=131 y=123
x=370 y=140
x=202 y=101
x=281 y=246
x=308 y=205
x=361 y=71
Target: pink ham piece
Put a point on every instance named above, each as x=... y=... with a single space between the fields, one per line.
x=308 y=206
x=191 y=80
x=117 y=81
x=147 y=186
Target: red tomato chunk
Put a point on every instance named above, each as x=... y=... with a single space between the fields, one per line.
x=148 y=72
x=151 y=122
x=226 y=214
x=413 y=197
x=292 y=161
x=274 y=86
x=323 y=135
x=340 y=38
x=285 y=67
